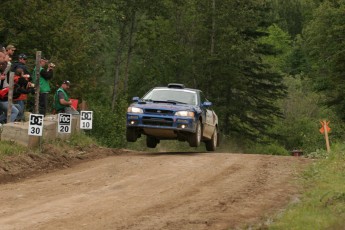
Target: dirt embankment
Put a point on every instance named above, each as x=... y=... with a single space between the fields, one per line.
x=119 y=189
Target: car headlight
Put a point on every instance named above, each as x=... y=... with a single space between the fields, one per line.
x=134 y=110
x=184 y=114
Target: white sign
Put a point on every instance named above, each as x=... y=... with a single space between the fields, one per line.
x=64 y=123
x=35 y=125
x=86 y=119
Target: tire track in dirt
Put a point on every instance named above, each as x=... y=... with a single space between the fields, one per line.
x=153 y=191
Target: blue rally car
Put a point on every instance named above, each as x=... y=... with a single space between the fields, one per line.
x=173 y=113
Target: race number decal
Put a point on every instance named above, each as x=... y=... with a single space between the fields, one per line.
x=65 y=121
x=35 y=125
x=86 y=119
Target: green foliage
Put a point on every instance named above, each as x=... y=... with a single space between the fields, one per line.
x=322 y=205
x=81 y=140
x=324 y=46
x=237 y=52
x=176 y=47
x=109 y=127
x=268 y=149
x=282 y=46
x=299 y=128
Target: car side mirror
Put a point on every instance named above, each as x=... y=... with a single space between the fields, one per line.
x=135 y=99
x=207 y=104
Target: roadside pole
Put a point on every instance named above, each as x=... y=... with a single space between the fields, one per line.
x=10 y=97
x=325 y=129
x=37 y=89
x=37 y=83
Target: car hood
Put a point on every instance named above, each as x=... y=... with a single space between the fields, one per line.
x=165 y=106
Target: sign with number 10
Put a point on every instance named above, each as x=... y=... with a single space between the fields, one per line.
x=86 y=119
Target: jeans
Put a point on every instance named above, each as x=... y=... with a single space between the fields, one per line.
x=3 y=111
x=21 y=106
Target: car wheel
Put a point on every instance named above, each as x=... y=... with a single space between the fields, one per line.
x=131 y=135
x=195 y=138
x=211 y=145
x=151 y=142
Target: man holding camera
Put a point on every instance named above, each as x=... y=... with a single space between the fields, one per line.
x=45 y=76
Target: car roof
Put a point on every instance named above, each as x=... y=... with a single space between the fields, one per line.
x=176 y=86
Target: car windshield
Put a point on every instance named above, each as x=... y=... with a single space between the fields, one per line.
x=172 y=95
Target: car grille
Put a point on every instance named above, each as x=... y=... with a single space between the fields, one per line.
x=168 y=122
x=159 y=111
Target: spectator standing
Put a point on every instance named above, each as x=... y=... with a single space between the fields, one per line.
x=10 y=51
x=3 y=63
x=22 y=87
x=4 y=101
x=45 y=76
x=62 y=102
x=21 y=63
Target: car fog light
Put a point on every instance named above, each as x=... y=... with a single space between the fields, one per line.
x=132 y=122
x=183 y=126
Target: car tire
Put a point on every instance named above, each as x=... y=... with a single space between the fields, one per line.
x=195 y=138
x=131 y=134
x=212 y=144
x=151 y=142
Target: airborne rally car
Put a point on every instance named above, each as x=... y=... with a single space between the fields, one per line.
x=173 y=113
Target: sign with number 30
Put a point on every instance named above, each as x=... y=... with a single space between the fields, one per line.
x=35 y=125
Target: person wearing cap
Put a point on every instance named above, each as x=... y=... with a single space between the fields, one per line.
x=45 y=75
x=21 y=64
x=62 y=102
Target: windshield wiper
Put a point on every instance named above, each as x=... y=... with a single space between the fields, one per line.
x=167 y=101
x=176 y=102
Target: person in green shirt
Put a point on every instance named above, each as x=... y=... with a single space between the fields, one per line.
x=45 y=75
x=62 y=102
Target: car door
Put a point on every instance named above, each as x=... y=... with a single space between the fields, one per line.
x=209 y=118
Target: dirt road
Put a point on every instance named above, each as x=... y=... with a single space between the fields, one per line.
x=154 y=191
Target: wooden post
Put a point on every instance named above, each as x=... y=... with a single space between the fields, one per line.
x=10 y=97
x=326 y=136
x=37 y=83
x=83 y=105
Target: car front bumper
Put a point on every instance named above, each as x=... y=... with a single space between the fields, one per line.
x=144 y=121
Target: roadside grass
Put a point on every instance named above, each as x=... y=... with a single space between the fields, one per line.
x=322 y=206
x=9 y=148
x=80 y=140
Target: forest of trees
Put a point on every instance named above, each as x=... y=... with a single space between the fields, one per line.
x=272 y=68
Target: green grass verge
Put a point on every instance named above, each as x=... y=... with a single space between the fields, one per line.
x=322 y=206
x=75 y=140
x=8 y=148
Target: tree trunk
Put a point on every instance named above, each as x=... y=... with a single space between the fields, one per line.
x=118 y=64
x=129 y=49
